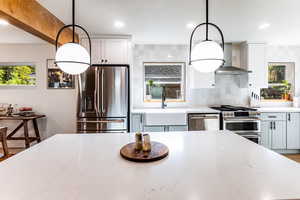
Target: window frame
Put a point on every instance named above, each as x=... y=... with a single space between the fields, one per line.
x=279 y=84
x=183 y=82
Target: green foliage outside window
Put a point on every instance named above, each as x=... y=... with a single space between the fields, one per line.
x=17 y=75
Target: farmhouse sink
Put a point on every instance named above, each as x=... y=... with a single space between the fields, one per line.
x=168 y=116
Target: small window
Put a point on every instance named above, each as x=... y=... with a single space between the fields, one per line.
x=168 y=75
x=17 y=74
x=281 y=82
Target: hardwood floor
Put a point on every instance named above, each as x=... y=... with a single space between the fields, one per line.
x=295 y=157
x=12 y=152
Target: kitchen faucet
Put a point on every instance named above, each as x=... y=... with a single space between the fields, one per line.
x=163 y=97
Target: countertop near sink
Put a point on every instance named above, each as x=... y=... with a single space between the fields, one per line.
x=279 y=109
x=174 y=110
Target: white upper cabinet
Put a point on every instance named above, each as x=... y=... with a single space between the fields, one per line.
x=116 y=51
x=108 y=51
x=253 y=58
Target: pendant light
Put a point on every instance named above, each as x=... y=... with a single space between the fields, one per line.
x=72 y=58
x=207 y=55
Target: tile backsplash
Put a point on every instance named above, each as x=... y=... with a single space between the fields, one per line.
x=227 y=90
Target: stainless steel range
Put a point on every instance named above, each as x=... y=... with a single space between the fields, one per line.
x=241 y=120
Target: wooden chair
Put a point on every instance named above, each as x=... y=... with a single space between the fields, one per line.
x=3 y=132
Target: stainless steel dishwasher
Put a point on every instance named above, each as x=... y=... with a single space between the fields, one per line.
x=204 y=122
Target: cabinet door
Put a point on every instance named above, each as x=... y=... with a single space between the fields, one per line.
x=177 y=128
x=279 y=135
x=116 y=51
x=97 y=49
x=258 y=65
x=154 y=129
x=293 y=130
x=136 y=123
x=266 y=134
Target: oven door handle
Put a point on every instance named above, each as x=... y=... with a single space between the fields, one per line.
x=251 y=136
x=204 y=117
x=244 y=120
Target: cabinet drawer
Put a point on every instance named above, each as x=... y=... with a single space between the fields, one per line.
x=273 y=116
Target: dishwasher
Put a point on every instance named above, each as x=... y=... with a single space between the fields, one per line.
x=204 y=122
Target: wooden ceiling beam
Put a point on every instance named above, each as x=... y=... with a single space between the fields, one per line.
x=33 y=18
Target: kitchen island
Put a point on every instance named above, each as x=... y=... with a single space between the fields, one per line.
x=200 y=165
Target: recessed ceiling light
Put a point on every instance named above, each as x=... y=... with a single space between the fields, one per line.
x=190 y=25
x=119 y=24
x=264 y=26
x=3 y=22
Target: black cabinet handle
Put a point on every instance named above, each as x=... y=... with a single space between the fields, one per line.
x=106 y=61
x=102 y=60
x=271 y=125
x=274 y=125
x=289 y=117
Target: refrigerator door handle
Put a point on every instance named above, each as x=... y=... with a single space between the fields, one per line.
x=102 y=91
x=96 y=93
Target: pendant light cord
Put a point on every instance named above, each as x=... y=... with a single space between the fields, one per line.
x=73 y=19
x=206 y=20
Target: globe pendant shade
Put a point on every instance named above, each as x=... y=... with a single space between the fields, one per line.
x=207 y=56
x=72 y=58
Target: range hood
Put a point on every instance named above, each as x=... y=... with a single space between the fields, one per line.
x=232 y=61
x=231 y=70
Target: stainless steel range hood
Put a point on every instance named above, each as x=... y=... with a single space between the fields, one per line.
x=231 y=70
x=232 y=61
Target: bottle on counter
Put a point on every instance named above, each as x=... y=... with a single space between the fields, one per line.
x=138 y=142
x=146 y=143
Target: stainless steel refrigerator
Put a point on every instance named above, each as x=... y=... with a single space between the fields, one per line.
x=103 y=100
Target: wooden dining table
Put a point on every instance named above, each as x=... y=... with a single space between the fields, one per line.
x=24 y=123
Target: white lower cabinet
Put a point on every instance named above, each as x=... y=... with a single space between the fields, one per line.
x=293 y=131
x=278 y=136
x=273 y=134
x=266 y=133
x=177 y=128
x=138 y=125
x=280 y=131
x=154 y=129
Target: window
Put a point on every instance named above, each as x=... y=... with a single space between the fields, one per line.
x=17 y=74
x=281 y=82
x=169 y=75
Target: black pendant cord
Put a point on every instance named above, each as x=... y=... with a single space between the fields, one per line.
x=207 y=24
x=73 y=19
x=73 y=26
x=206 y=20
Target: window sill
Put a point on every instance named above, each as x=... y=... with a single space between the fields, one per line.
x=275 y=101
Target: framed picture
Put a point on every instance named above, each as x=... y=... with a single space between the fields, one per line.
x=57 y=79
x=17 y=74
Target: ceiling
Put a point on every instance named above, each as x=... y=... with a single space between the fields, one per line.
x=164 y=21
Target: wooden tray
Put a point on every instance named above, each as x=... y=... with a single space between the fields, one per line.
x=158 y=152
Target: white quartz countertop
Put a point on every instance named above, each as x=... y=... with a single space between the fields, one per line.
x=279 y=109
x=175 y=110
x=201 y=165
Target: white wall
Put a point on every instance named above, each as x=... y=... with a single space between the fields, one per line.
x=58 y=105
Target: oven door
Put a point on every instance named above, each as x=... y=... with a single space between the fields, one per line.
x=254 y=137
x=242 y=125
